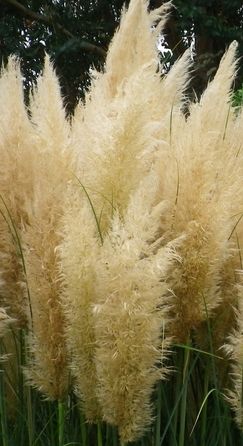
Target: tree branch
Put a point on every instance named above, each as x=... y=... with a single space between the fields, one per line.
x=47 y=20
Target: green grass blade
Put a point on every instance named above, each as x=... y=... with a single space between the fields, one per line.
x=99 y=435
x=17 y=240
x=184 y=398
x=178 y=401
x=158 y=416
x=188 y=347
x=201 y=408
x=3 y=417
x=92 y=208
x=83 y=430
x=61 y=422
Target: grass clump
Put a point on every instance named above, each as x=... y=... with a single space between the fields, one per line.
x=121 y=234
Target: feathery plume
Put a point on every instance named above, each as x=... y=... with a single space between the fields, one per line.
x=47 y=369
x=199 y=184
x=115 y=132
x=169 y=101
x=79 y=255
x=112 y=161
x=16 y=189
x=226 y=152
x=130 y=314
x=214 y=104
x=134 y=43
x=117 y=155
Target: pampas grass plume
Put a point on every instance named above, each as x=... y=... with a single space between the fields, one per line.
x=79 y=253
x=47 y=369
x=112 y=160
x=130 y=314
x=16 y=188
x=134 y=43
x=200 y=190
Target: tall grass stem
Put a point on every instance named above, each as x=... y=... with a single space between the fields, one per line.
x=61 y=422
x=83 y=429
x=4 y=430
x=183 y=409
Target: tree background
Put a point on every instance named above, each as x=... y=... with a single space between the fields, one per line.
x=77 y=33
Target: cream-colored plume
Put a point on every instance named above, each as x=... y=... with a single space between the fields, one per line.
x=168 y=102
x=132 y=47
x=134 y=43
x=48 y=363
x=114 y=145
x=198 y=178
x=16 y=189
x=79 y=256
x=117 y=146
x=116 y=134
x=124 y=230
x=130 y=314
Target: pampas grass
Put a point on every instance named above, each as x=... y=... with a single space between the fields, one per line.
x=79 y=252
x=115 y=157
x=130 y=314
x=134 y=43
x=16 y=189
x=121 y=240
x=201 y=191
x=47 y=368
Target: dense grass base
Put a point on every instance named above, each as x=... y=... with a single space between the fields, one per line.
x=190 y=410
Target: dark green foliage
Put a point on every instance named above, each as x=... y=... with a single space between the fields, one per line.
x=238 y=97
x=209 y=26
x=190 y=410
x=76 y=34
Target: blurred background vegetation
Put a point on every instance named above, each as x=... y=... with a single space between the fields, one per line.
x=76 y=34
